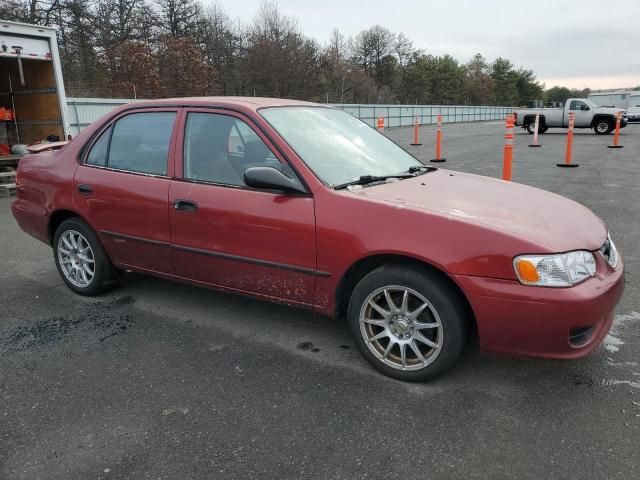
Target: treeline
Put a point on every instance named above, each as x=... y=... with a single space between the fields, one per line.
x=561 y=94
x=160 y=48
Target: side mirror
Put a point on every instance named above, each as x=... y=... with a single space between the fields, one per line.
x=585 y=107
x=271 y=178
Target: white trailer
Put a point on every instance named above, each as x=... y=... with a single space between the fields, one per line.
x=618 y=99
x=634 y=106
x=32 y=97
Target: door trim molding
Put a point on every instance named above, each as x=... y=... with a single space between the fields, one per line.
x=226 y=256
x=134 y=238
x=253 y=261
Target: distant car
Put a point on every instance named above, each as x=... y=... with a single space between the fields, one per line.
x=587 y=115
x=306 y=205
x=633 y=114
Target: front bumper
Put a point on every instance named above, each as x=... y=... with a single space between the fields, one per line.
x=540 y=321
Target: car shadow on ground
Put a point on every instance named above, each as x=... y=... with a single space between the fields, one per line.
x=301 y=332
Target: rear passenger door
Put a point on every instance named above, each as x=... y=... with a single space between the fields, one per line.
x=122 y=185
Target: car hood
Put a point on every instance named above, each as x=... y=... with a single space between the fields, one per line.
x=610 y=110
x=536 y=216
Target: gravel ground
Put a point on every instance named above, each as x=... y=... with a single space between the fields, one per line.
x=166 y=381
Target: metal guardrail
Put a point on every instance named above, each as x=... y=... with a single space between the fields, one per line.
x=84 y=111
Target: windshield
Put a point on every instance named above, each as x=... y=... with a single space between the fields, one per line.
x=591 y=104
x=338 y=148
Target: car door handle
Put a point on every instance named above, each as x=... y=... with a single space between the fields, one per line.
x=185 y=206
x=85 y=189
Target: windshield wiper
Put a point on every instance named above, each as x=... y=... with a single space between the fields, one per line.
x=421 y=168
x=367 y=179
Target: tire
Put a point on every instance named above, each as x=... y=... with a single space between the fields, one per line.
x=603 y=126
x=531 y=127
x=74 y=260
x=380 y=333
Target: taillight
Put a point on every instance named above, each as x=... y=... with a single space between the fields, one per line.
x=515 y=116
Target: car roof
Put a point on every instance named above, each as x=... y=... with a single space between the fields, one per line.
x=243 y=103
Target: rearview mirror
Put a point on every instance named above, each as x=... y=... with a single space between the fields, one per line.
x=271 y=178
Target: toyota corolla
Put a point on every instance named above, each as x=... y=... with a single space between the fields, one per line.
x=306 y=205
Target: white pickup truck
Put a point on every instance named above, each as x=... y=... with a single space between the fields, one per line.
x=587 y=115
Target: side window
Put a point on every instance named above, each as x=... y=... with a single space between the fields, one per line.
x=219 y=148
x=576 y=105
x=98 y=154
x=140 y=142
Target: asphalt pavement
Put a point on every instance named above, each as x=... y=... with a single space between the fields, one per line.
x=167 y=381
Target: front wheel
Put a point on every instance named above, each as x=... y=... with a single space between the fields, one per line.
x=603 y=126
x=408 y=323
x=81 y=261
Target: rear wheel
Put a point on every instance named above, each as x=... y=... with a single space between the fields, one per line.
x=603 y=126
x=408 y=323
x=81 y=261
x=531 y=126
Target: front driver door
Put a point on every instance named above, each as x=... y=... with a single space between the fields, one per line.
x=226 y=234
x=583 y=114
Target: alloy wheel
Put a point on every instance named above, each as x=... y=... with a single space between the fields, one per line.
x=76 y=258
x=401 y=328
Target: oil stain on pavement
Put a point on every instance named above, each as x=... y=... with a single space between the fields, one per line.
x=96 y=322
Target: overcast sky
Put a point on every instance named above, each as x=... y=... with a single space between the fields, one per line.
x=575 y=43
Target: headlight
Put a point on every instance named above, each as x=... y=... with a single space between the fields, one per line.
x=561 y=270
x=610 y=252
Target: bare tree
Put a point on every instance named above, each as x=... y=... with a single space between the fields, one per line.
x=280 y=61
x=178 y=18
x=37 y=12
x=370 y=48
x=183 y=70
x=222 y=47
x=134 y=71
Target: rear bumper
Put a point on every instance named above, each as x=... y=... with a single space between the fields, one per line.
x=544 y=322
x=33 y=223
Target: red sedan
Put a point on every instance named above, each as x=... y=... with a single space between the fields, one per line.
x=303 y=204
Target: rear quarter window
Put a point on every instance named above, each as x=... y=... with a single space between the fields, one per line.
x=98 y=153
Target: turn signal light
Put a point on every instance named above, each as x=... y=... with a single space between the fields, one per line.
x=527 y=271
